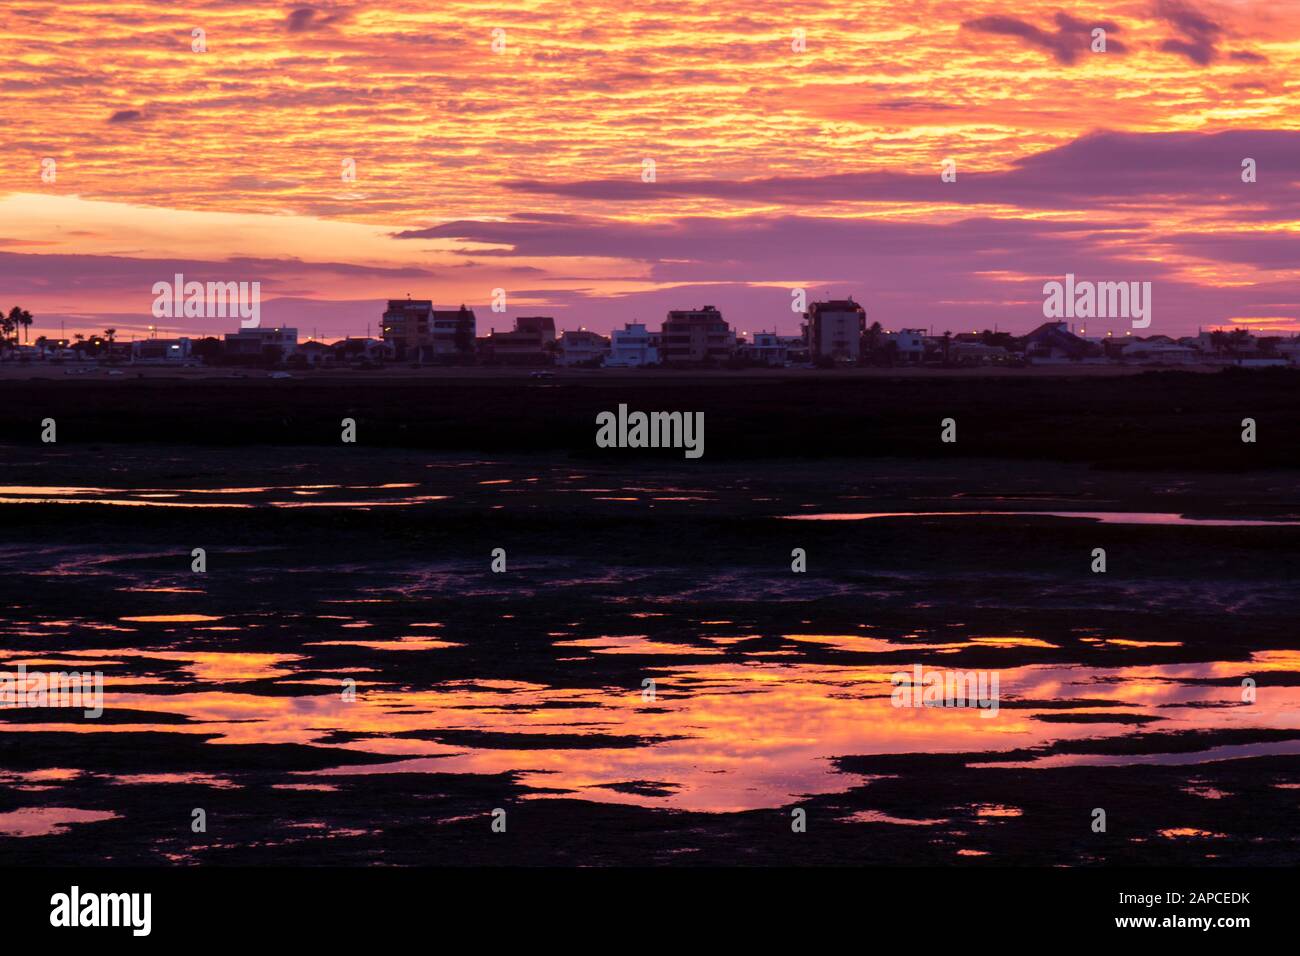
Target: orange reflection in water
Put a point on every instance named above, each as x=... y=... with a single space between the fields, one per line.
x=718 y=735
x=1101 y=517
x=170 y=618
x=45 y=821
x=761 y=735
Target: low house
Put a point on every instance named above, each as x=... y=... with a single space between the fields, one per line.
x=253 y=344
x=1290 y=350
x=313 y=354
x=161 y=351
x=353 y=351
x=1054 y=343
x=583 y=348
x=530 y=343
x=632 y=346
x=1159 y=350
x=767 y=348
x=977 y=353
x=906 y=345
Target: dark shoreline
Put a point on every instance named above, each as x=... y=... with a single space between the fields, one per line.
x=1150 y=421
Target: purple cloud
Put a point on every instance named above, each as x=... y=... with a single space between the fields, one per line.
x=1071 y=38
x=308 y=19
x=1199 y=32
x=1100 y=171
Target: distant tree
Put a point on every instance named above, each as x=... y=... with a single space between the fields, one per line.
x=208 y=350
x=1004 y=339
x=947 y=346
x=464 y=332
x=871 y=341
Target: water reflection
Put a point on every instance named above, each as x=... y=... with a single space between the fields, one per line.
x=712 y=689
x=728 y=735
x=1103 y=517
x=46 y=821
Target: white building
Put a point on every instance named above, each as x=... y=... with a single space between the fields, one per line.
x=910 y=344
x=834 y=329
x=632 y=346
x=768 y=348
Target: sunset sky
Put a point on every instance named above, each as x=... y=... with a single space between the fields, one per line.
x=774 y=168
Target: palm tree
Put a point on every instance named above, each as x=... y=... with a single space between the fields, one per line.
x=6 y=330
x=19 y=317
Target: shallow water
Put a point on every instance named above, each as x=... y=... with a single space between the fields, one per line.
x=769 y=689
x=757 y=730
x=1104 y=517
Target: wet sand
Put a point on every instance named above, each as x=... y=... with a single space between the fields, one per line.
x=524 y=690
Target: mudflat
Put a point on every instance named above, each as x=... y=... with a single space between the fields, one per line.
x=648 y=679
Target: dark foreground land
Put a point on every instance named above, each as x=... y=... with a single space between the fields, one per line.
x=523 y=690
x=1151 y=420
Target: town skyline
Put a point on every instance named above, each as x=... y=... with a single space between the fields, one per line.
x=607 y=165
x=211 y=312
x=833 y=334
